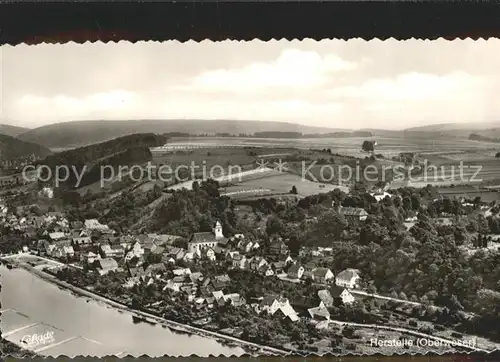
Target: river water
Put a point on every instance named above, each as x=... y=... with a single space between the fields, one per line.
x=80 y=326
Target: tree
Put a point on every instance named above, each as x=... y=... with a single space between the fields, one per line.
x=331 y=224
x=294 y=245
x=274 y=225
x=348 y=332
x=368 y=146
x=293 y=190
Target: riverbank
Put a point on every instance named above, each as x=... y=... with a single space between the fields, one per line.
x=247 y=346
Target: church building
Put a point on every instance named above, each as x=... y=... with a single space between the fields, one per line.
x=203 y=240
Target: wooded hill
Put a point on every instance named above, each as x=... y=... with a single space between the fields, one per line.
x=12 y=148
x=128 y=150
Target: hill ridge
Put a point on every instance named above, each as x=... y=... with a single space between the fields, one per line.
x=79 y=133
x=12 y=148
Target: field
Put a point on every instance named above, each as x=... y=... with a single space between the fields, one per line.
x=254 y=179
x=349 y=146
x=281 y=184
x=449 y=153
x=470 y=193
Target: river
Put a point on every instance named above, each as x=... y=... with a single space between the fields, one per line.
x=81 y=326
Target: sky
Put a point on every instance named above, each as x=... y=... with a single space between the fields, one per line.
x=331 y=83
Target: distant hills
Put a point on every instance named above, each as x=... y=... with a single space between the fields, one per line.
x=80 y=133
x=478 y=137
x=12 y=131
x=12 y=148
x=459 y=129
x=443 y=127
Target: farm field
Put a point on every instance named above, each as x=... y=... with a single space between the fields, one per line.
x=456 y=173
x=249 y=175
x=448 y=155
x=282 y=184
x=213 y=156
x=351 y=146
x=486 y=196
x=264 y=181
x=443 y=152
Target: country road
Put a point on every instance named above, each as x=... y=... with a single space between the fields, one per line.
x=360 y=292
x=16 y=256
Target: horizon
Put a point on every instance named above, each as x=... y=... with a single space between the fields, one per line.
x=329 y=83
x=333 y=129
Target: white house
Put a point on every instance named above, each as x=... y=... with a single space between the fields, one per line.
x=239 y=261
x=175 y=284
x=47 y=192
x=348 y=278
x=63 y=251
x=135 y=251
x=344 y=294
x=94 y=224
x=379 y=195
x=181 y=271
x=319 y=313
x=58 y=235
x=257 y=262
x=188 y=257
x=107 y=265
x=209 y=254
x=89 y=257
x=296 y=271
x=245 y=246
x=266 y=270
x=322 y=275
x=272 y=304
x=130 y=282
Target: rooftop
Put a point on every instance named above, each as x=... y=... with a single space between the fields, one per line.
x=353 y=211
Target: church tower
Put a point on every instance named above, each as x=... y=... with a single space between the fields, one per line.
x=218 y=230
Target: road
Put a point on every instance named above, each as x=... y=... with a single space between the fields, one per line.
x=284 y=277
x=253 y=191
x=17 y=256
x=360 y=292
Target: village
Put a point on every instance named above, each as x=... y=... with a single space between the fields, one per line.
x=94 y=247
x=205 y=279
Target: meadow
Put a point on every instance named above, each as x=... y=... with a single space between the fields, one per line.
x=282 y=184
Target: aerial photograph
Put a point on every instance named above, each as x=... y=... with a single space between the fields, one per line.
x=250 y=198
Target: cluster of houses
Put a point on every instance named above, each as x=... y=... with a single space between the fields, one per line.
x=208 y=291
x=31 y=224
x=94 y=244
x=17 y=179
